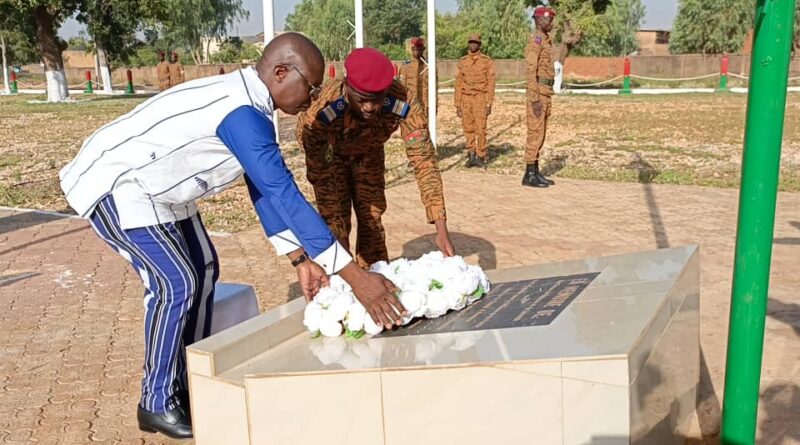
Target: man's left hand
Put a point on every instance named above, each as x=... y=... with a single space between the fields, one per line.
x=312 y=277
x=443 y=238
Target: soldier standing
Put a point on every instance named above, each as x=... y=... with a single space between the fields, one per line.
x=176 y=74
x=162 y=70
x=474 y=95
x=343 y=133
x=414 y=74
x=541 y=75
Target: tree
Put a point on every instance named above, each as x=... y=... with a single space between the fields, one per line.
x=233 y=50
x=575 y=19
x=202 y=21
x=619 y=25
x=15 y=41
x=503 y=24
x=327 y=23
x=44 y=17
x=389 y=23
x=711 y=26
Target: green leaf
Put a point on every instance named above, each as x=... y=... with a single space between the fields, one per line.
x=316 y=334
x=479 y=292
x=435 y=285
x=355 y=335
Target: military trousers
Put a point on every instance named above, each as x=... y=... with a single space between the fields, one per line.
x=347 y=184
x=473 y=109
x=537 y=129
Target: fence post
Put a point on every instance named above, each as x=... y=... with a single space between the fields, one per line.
x=723 y=74
x=89 y=87
x=222 y=70
x=626 y=82
x=129 y=89
x=13 y=89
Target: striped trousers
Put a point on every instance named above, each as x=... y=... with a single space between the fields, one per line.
x=178 y=266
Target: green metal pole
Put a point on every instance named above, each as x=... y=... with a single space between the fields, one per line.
x=766 y=102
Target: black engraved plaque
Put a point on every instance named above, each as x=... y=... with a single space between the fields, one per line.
x=512 y=304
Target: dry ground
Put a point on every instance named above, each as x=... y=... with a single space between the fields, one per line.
x=676 y=139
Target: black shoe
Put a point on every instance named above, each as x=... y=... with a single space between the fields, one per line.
x=533 y=178
x=481 y=162
x=472 y=160
x=175 y=423
x=548 y=181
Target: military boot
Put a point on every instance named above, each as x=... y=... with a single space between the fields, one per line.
x=533 y=178
x=472 y=160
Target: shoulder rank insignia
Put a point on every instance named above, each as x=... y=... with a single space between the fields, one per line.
x=396 y=106
x=334 y=110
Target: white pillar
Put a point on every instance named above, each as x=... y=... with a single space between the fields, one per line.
x=6 y=87
x=359 y=23
x=269 y=33
x=432 y=87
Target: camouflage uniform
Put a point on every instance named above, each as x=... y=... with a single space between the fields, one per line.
x=345 y=164
x=474 y=93
x=414 y=75
x=176 y=74
x=540 y=75
x=162 y=69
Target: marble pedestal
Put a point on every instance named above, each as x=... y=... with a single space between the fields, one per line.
x=616 y=362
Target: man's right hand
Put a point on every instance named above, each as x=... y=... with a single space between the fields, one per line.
x=376 y=293
x=537 y=109
x=458 y=112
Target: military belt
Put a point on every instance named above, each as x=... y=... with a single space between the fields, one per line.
x=545 y=81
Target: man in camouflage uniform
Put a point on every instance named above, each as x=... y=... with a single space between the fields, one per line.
x=162 y=70
x=414 y=75
x=541 y=74
x=343 y=134
x=176 y=74
x=474 y=95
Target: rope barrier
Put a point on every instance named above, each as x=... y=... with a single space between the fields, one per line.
x=593 y=84
x=685 y=79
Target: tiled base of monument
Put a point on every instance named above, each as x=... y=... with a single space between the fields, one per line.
x=600 y=351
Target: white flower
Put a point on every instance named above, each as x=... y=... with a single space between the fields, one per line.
x=326 y=296
x=312 y=316
x=436 y=304
x=371 y=327
x=356 y=316
x=455 y=299
x=379 y=267
x=414 y=302
x=466 y=283
x=339 y=306
x=330 y=328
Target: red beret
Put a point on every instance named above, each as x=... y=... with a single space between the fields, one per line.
x=369 y=70
x=543 y=11
x=418 y=42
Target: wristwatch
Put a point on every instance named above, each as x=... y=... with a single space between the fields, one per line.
x=300 y=260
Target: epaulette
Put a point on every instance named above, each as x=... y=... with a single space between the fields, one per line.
x=396 y=106
x=334 y=110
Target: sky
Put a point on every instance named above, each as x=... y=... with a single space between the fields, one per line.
x=659 y=15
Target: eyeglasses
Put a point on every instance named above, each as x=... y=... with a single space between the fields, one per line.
x=315 y=89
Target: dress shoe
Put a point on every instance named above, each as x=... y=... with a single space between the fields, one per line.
x=174 y=423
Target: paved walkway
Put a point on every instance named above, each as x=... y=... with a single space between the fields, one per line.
x=70 y=348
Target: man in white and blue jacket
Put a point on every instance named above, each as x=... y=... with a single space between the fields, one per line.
x=137 y=178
